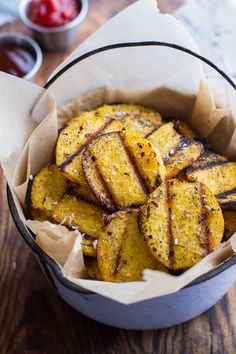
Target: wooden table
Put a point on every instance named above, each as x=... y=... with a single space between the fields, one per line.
x=32 y=317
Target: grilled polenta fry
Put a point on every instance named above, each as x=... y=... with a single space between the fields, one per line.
x=73 y=139
x=91 y=266
x=218 y=174
x=182 y=223
x=177 y=152
x=46 y=189
x=122 y=168
x=122 y=252
x=230 y=223
x=79 y=214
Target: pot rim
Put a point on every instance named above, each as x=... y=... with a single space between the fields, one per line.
x=27 y=234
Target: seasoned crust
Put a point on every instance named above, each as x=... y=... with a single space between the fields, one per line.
x=177 y=152
x=138 y=119
x=182 y=222
x=122 y=253
x=72 y=140
x=79 y=214
x=217 y=173
x=121 y=168
x=46 y=189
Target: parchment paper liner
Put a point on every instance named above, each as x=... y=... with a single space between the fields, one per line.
x=213 y=117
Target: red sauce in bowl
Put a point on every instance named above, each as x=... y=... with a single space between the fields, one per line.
x=15 y=59
x=53 y=13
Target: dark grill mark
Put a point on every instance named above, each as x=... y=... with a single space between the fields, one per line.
x=134 y=166
x=184 y=142
x=203 y=222
x=135 y=205
x=154 y=203
x=108 y=219
x=169 y=226
x=207 y=166
x=230 y=205
x=158 y=181
x=91 y=137
x=118 y=257
x=109 y=200
x=153 y=130
x=226 y=193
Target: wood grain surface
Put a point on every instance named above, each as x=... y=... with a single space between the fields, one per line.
x=33 y=319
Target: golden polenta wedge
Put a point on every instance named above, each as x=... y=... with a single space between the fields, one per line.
x=217 y=173
x=122 y=252
x=79 y=214
x=89 y=246
x=91 y=266
x=122 y=168
x=177 y=152
x=77 y=134
x=182 y=223
x=46 y=188
x=135 y=118
x=230 y=223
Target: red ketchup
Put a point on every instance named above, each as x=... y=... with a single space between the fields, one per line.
x=53 y=13
x=15 y=60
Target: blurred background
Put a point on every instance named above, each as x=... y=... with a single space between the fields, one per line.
x=210 y=22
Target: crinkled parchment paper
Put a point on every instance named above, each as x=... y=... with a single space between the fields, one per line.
x=166 y=79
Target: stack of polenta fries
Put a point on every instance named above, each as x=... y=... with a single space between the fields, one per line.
x=143 y=191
